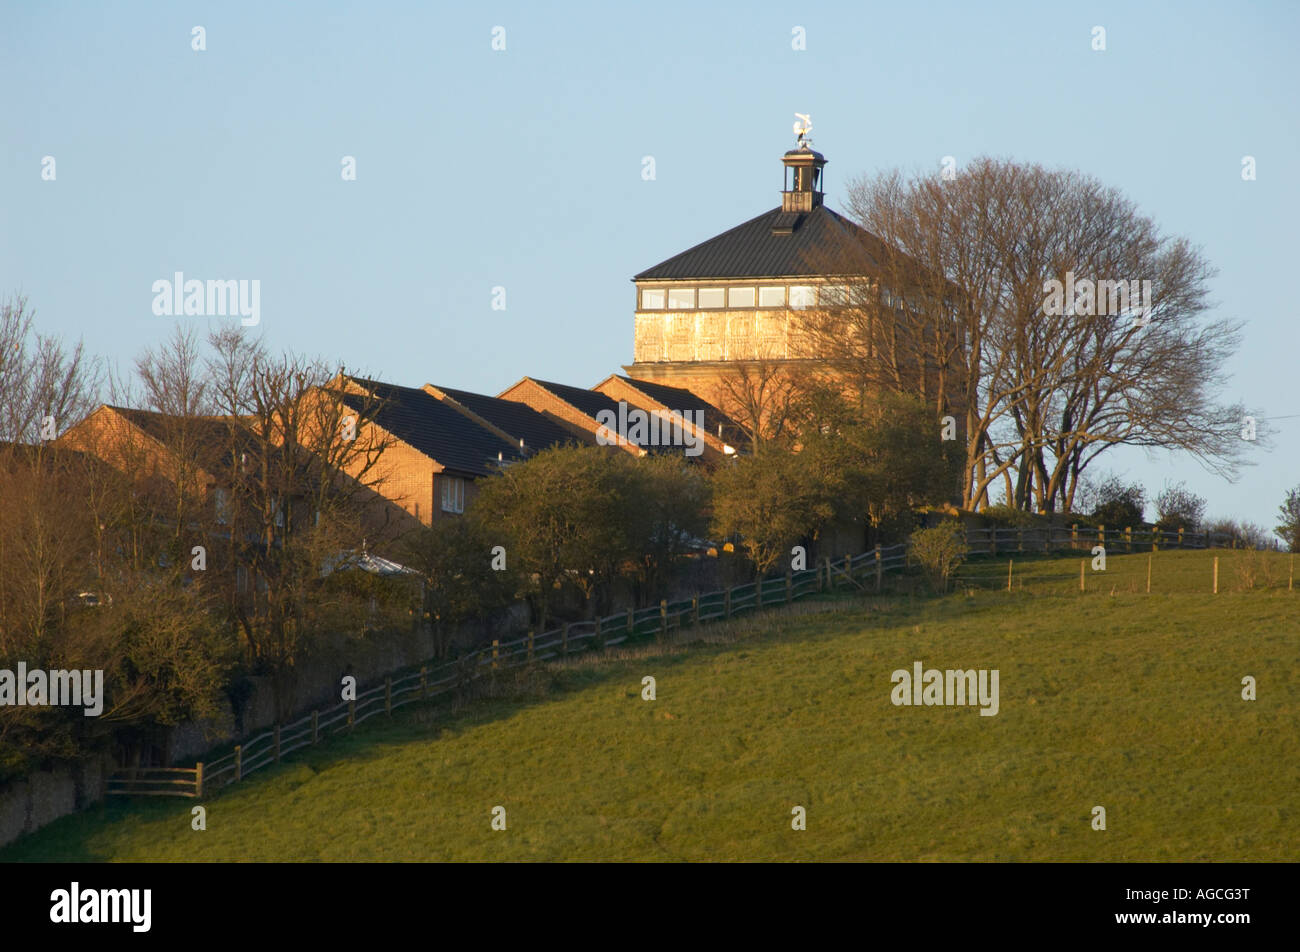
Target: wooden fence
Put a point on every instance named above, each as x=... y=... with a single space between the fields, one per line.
x=863 y=572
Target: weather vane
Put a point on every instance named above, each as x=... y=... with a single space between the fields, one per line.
x=802 y=128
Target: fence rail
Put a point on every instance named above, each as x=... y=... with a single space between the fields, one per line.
x=862 y=572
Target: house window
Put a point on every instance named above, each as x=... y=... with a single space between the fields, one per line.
x=740 y=297
x=681 y=299
x=221 y=506
x=771 y=296
x=803 y=295
x=713 y=297
x=453 y=494
x=652 y=299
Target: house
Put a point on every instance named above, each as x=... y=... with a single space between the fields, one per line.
x=673 y=420
x=439 y=441
x=186 y=464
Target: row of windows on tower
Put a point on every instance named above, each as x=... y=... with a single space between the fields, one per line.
x=767 y=295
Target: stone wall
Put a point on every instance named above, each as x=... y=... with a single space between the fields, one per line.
x=47 y=795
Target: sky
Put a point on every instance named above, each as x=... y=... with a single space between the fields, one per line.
x=522 y=168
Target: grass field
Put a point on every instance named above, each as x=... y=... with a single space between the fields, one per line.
x=1127 y=701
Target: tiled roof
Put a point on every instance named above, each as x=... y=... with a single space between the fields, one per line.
x=437 y=430
x=679 y=398
x=592 y=402
x=588 y=401
x=216 y=439
x=752 y=250
x=518 y=419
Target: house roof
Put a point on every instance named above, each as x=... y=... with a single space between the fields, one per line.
x=752 y=250
x=215 y=438
x=437 y=430
x=592 y=402
x=679 y=398
x=588 y=401
x=518 y=419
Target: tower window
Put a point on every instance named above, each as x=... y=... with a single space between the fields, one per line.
x=836 y=295
x=652 y=299
x=803 y=295
x=681 y=299
x=740 y=297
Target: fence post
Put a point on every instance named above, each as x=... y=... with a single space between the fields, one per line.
x=695 y=611
x=1155 y=539
x=599 y=640
x=496 y=650
x=1148 y=574
x=1082 y=563
x=819 y=577
x=789 y=590
x=1074 y=535
x=277 y=743
x=315 y=727
x=239 y=762
x=531 y=643
x=198 y=780
x=1009 y=561
x=1128 y=538
x=1101 y=535
x=631 y=622
x=1216 y=575
x=758 y=594
x=663 y=617
x=424 y=681
x=564 y=640
x=830 y=580
x=726 y=602
x=879 y=567
x=848 y=566
x=388 y=695
x=1290 y=581
x=1020 y=540
x=1180 y=537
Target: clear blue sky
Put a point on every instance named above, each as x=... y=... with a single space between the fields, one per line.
x=522 y=168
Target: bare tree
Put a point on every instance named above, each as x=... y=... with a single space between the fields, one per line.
x=45 y=386
x=760 y=394
x=947 y=296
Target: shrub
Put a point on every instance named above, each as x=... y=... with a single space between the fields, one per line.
x=1177 y=507
x=1289 y=511
x=939 y=550
x=1004 y=516
x=1115 y=504
x=1240 y=535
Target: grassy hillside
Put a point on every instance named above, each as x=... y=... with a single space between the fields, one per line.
x=1129 y=701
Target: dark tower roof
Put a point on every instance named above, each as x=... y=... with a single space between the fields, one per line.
x=756 y=249
x=781 y=243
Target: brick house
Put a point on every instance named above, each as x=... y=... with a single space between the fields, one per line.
x=584 y=412
x=441 y=441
